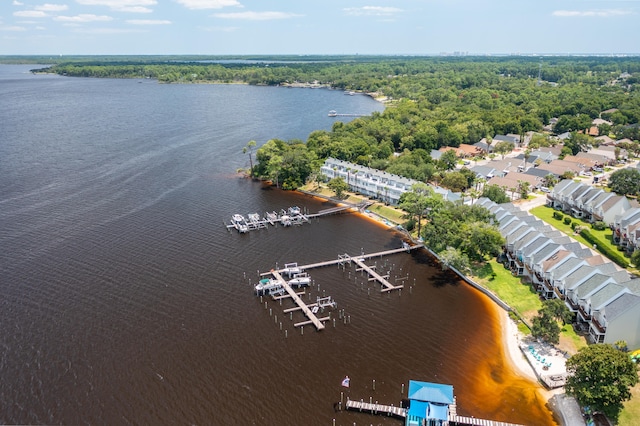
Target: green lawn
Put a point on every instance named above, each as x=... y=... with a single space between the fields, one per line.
x=521 y=297
x=546 y=214
x=631 y=412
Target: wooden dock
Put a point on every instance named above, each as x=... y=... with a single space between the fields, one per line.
x=472 y=421
x=347 y=258
x=317 y=322
x=376 y=408
x=386 y=285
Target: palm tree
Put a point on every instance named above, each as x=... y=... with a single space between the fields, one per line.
x=249 y=149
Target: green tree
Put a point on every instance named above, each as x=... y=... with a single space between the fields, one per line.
x=249 y=149
x=625 y=181
x=338 y=186
x=558 y=310
x=503 y=148
x=495 y=194
x=523 y=189
x=545 y=326
x=635 y=258
x=480 y=240
x=451 y=257
x=418 y=200
x=601 y=376
x=455 y=181
x=448 y=160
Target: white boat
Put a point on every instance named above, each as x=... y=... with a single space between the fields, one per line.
x=285 y=220
x=238 y=219
x=300 y=280
x=267 y=285
x=294 y=210
x=291 y=269
x=254 y=217
x=333 y=113
x=271 y=217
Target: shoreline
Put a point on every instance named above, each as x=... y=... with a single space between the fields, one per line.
x=563 y=408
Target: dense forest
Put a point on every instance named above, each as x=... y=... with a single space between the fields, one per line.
x=432 y=102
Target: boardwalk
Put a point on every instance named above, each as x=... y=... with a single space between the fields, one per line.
x=317 y=322
x=376 y=408
x=386 y=285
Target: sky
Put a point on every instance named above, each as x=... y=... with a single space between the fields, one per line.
x=308 y=27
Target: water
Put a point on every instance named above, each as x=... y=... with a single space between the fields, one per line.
x=124 y=299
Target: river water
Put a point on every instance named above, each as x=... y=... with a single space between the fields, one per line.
x=125 y=300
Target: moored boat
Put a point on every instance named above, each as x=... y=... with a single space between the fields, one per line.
x=267 y=285
x=300 y=280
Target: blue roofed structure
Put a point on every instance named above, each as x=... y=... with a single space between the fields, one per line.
x=428 y=403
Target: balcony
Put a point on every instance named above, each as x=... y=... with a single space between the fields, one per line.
x=584 y=314
x=558 y=293
x=599 y=327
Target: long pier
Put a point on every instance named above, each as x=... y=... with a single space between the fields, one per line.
x=346 y=258
x=376 y=408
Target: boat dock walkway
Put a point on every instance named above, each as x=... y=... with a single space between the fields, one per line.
x=313 y=319
x=347 y=258
x=376 y=408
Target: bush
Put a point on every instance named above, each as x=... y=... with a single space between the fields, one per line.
x=567 y=220
x=599 y=226
x=574 y=225
x=558 y=215
x=605 y=249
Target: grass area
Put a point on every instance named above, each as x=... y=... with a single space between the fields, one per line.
x=604 y=237
x=520 y=296
x=523 y=299
x=546 y=214
x=390 y=213
x=631 y=412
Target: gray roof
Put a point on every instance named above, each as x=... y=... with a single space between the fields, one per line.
x=621 y=305
x=567 y=267
x=587 y=287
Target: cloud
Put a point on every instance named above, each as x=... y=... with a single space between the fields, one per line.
x=208 y=4
x=83 y=18
x=52 y=7
x=372 y=11
x=13 y=28
x=30 y=14
x=256 y=16
x=600 y=13
x=17 y=3
x=133 y=6
x=85 y=30
x=220 y=29
x=148 y=22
